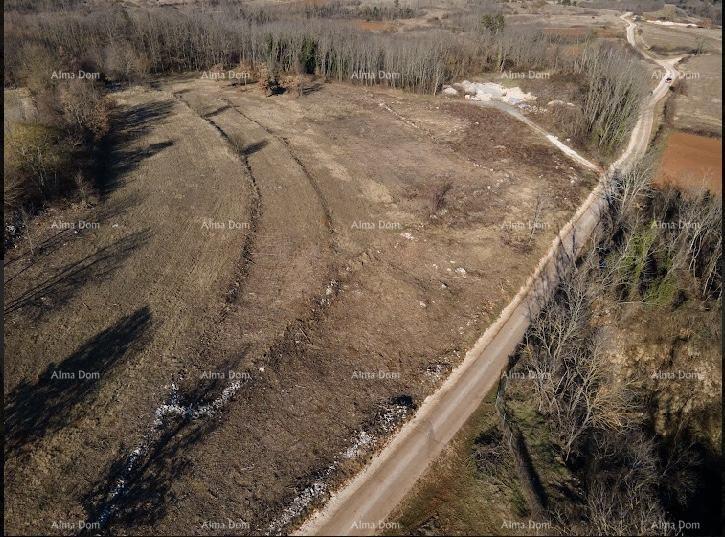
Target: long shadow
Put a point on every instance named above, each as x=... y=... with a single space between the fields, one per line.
x=115 y=159
x=252 y=148
x=47 y=246
x=146 y=478
x=33 y=410
x=50 y=244
x=60 y=287
x=309 y=89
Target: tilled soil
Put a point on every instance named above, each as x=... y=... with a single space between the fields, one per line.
x=691 y=163
x=374 y=236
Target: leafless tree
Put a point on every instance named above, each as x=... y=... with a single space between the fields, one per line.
x=622 y=487
x=573 y=379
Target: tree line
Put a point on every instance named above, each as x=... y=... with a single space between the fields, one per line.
x=125 y=45
x=634 y=478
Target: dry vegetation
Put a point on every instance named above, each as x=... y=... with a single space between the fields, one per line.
x=304 y=292
x=54 y=153
x=660 y=250
x=125 y=44
x=676 y=10
x=277 y=46
x=344 y=293
x=604 y=442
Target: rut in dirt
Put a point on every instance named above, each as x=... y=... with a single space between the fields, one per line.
x=145 y=475
x=255 y=209
x=310 y=178
x=136 y=487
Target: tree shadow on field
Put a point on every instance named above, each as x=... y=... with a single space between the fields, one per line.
x=310 y=88
x=53 y=242
x=54 y=400
x=66 y=281
x=116 y=159
x=252 y=148
x=43 y=248
x=147 y=482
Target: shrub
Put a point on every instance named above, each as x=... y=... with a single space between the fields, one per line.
x=36 y=160
x=37 y=64
x=85 y=109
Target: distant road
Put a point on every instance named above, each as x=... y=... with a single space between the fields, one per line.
x=364 y=503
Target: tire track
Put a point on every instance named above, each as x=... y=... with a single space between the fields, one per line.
x=255 y=209
x=331 y=290
x=180 y=415
x=310 y=178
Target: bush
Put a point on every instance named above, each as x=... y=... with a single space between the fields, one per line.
x=121 y=61
x=37 y=64
x=36 y=161
x=493 y=23
x=47 y=158
x=85 y=109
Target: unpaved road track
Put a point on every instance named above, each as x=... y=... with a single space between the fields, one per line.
x=362 y=505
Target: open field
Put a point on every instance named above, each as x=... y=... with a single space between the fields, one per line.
x=243 y=290
x=666 y=40
x=122 y=292
x=692 y=162
x=698 y=107
x=446 y=500
x=692 y=156
x=338 y=265
x=570 y=20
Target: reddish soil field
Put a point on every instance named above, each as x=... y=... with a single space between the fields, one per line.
x=691 y=161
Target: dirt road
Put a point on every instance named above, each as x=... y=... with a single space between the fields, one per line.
x=362 y=506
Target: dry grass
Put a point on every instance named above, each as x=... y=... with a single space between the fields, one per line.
x=698 y=108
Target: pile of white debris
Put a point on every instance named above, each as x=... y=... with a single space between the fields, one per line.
x=670 y=23
x=489 y=91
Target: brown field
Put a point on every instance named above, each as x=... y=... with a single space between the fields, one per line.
x=583 y=31
x=673 y=40
x=698 y=108
x=692 y=162
x=376 y=26
x=379 y=231
x=299 y=242
x=559 y=16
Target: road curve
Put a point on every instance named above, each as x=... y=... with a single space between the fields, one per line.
x=362 y=505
